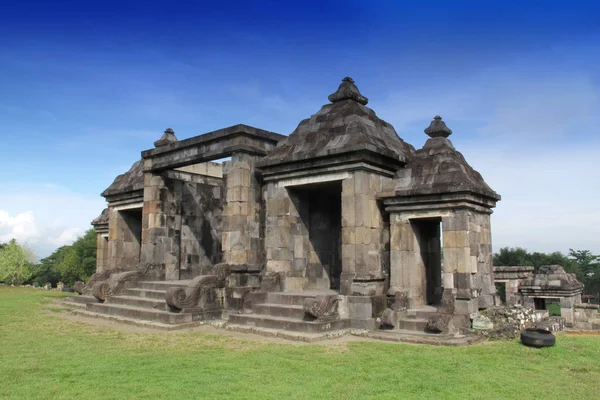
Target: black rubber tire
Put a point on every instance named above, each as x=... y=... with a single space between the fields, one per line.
x=537 y=338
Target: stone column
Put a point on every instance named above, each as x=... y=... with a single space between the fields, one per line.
x=161 y=225
x=362 y=235
x=241 y=237
x=406 y=263
x=468 y=260
x=101 y=252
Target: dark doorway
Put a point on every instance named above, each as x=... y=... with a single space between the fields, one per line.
x=428 y=232
x=320 y=208
x=133 y=220
x=501 y=291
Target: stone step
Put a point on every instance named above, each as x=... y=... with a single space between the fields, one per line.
x=81 y=299
x=141 y=302
x=294 y=298
x=412 y=324
x=288 y=324
x=404 y=336
x=70 y=304
x=287 y=335
x=146 y=293
x=161 y=285
x=424 y=312
x=136 y=322
x=140 y=313
x=279 y=310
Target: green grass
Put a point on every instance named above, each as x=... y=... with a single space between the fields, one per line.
x=44 y=356
x=553 y=309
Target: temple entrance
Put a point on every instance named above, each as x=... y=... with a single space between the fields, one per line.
x=428 y=234
x=320 y=209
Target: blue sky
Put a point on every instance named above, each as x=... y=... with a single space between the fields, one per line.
x=86 y=85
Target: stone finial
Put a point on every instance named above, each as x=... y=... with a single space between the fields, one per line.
x=438 y=128
x=348 y=91
x=167 y=138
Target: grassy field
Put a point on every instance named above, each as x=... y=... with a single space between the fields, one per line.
x=44 y=356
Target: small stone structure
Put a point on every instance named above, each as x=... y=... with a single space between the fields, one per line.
x=340 y=224
x=512 y=278
x=552 y=282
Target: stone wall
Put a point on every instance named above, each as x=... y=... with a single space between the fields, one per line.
x=586 y=317
x=468 y=256
x=287 y=244
x=182 y=223
x=124 y=237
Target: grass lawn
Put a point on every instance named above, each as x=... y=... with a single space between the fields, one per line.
x=44 y=356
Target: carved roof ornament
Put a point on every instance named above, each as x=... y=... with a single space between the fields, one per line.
x=438 y=128
x=167 y=138
x=348 y=91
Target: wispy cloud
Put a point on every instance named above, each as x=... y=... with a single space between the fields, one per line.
x=45 y=216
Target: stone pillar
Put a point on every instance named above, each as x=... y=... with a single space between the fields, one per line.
x=279 y=244
x=101 y=252
x=406 y=264
x=161 y=225
x=467 y=266
x=362 y=235
x=241 y=237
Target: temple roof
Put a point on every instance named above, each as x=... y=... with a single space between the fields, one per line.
x=101 y=219
x=439 y=168
x=551 y=278
x=344 y=126
x=130 y=181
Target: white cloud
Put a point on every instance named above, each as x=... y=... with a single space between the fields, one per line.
x=21 y=227
x=549 y=198
x=45 y=216
x=67 y=236
x=529 y=136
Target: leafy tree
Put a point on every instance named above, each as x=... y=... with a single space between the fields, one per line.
x=589 y=264
x=69 y=264
x=15 y=263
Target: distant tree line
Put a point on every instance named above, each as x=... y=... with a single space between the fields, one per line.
x=582 y=263
x=67 y=264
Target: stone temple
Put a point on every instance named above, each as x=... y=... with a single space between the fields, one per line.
x=340 y=225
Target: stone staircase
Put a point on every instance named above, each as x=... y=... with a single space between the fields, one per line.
x=416 y=319
x=275 y=314
x=145 y=302
x=284 y=311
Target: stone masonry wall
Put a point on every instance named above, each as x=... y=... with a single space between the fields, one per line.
x=364 y=245
x=181 y=225
x=468 y=257
x=123 y=240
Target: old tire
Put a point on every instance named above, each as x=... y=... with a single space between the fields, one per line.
x=537 y=338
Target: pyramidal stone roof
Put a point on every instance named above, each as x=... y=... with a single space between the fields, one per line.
x=101 y=219
x=439 y=168
x=130 y=181
x=346 y=125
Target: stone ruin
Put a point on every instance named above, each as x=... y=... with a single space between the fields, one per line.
x=339 y=225
x=531 y=291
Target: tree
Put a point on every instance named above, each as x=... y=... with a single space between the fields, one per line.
x=15 y=263
x=589 y=264
x=68 y=264
x=512 y=256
